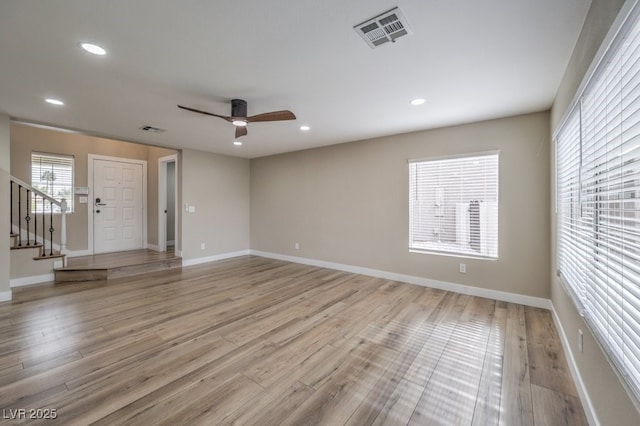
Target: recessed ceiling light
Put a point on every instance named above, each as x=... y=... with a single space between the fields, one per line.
x=237 y=143
x=240 y=123
x=93 y=48
x=417 y=101
x=53 y=101
x=305 y=128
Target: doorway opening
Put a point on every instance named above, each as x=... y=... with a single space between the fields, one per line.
x=167 y=202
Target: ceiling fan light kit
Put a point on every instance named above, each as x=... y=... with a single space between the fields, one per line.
x=240 y=119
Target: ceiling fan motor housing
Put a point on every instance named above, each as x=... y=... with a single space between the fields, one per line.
x=238 y=108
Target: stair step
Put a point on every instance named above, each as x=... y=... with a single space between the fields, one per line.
x=26 y=245
x=74 y=273
x=34 y=245
x=55 y=255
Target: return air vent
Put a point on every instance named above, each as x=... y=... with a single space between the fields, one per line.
x=152 y=129
x=384 y=28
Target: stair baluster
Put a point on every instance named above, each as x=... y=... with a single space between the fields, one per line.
x=51 y=228
x=19 y=215
x=44 y=231
x=11 y=211
x=35 y=219
x=27 y=218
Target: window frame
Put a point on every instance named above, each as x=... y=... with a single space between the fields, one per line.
x=71 y=200
x=594 y=274
x=452 y=252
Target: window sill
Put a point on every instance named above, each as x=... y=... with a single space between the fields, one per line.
x=450 y=254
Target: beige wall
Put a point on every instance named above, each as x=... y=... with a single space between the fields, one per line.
x=612 y=404
x=348 y=204
x=26 y=139
x=218 y=187
x=5 y=148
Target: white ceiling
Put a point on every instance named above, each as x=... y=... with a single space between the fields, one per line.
x=471 y=59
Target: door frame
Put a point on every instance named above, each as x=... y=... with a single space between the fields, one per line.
x=90 y=159
x=162 y=201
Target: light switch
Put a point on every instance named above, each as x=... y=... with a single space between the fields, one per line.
x=192 y=209
x=83 y=200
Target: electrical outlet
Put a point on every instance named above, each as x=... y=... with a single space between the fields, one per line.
x=463 y=268
x=297 y=246
x=203 y=246
x=580 y=341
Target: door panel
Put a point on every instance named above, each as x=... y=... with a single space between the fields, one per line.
x=118 y=216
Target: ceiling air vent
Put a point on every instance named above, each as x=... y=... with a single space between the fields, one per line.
x=152 y=129
x=386 y=27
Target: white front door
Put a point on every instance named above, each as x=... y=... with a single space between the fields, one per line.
x=118 y=206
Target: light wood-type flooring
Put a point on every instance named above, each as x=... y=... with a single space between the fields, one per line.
x=258 y=341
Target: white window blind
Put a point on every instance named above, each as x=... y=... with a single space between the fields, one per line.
x=598 y=189
x=571 y=228
x=53 y=175
x=453 y=205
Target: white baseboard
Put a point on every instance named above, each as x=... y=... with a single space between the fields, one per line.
x=199 y=260
x=537 y=302
x=153 y=247
x=575 y=373
x=178 y=253
x=37 y=279
x=78 y=253
x=5 y=296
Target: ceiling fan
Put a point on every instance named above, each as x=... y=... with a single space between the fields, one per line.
x=240 y=119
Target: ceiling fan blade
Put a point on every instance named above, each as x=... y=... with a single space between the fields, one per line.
x=224 y=117
x=241 y=131
x=272 y=116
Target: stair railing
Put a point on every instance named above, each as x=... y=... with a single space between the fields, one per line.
x=30 y=198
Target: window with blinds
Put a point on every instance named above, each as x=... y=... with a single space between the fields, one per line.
x=52 y=174
x=453 y=205
x=598 y=202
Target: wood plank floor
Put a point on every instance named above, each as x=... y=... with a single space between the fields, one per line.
x=257 y=341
